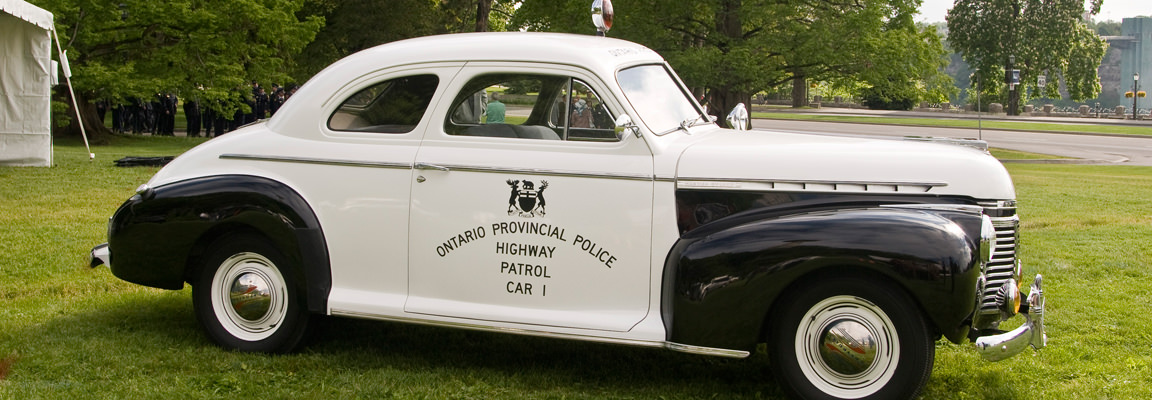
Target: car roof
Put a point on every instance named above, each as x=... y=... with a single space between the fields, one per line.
x=600 y=55
x=583 y=50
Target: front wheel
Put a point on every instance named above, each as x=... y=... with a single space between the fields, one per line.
x=246 y=297
x=852 y=339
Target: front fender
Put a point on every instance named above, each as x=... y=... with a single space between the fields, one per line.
x=155 y=235
x=720 y=285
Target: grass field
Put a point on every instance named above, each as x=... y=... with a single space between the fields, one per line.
x=67 y=331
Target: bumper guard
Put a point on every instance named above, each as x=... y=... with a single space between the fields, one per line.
x=99 y=256
x=1008 y=344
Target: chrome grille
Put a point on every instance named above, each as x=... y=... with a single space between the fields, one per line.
x=1003 y=264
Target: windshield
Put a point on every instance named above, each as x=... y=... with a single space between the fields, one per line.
x=658 y=97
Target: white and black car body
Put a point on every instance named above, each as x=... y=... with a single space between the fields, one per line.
x=378 y=192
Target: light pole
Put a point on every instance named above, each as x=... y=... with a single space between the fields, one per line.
x=1011 y=77
x=1135 y=91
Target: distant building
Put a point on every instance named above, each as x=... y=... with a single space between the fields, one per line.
x=1128 y=54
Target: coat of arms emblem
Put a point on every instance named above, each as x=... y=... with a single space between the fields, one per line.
x=526 y=200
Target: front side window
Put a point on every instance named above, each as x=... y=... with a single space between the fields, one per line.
x=658 y=97
x=393 y=106
x=530 y=106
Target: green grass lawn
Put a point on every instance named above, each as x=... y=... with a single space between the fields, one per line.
x=1086 y=127
x=67 y=331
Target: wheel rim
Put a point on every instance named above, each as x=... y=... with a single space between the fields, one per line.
x=249 y=296
x=847 y=347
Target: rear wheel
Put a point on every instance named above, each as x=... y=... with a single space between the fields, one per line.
x=246 y=297
x=852 y=339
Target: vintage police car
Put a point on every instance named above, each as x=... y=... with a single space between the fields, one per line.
x=607 y=206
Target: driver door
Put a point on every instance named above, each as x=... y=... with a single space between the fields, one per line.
x=531 y=220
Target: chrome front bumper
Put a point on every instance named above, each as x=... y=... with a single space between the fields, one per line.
x=99 y=256
x=1008 y=344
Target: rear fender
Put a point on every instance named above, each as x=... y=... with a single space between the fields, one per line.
x=155 y=237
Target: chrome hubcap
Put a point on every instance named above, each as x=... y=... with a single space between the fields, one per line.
x=848 y=347
x=251 y=296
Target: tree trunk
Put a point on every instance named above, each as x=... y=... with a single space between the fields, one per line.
x=483 y=7
x=731 y=26
x=799 y=89
x=94 y=127
x=723 y=101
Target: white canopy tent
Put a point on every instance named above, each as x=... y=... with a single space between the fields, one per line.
x=26 y=69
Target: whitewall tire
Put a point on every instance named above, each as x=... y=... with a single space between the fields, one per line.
x=246 y=298
x=852 y=339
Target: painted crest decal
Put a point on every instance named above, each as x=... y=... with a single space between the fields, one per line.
x=526 y=200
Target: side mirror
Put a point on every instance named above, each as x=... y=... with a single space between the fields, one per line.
x=738 y=118
x=625 y=126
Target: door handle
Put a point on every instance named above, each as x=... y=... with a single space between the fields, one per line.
x=421 y=165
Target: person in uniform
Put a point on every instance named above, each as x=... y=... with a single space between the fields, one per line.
x=170 y=102
x=261 y=109
x=192 y=114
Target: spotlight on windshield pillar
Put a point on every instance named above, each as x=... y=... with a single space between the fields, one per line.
x=602 y=16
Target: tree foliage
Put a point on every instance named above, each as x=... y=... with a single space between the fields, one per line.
x=1044 y=36
x=738 y=47
x=137 y=48
x=357 y=25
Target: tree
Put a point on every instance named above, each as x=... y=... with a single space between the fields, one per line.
x=137 y=48
x=1035 y=36
x=733 y=48
x=357 y=25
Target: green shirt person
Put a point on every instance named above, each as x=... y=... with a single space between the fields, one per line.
x=495 y=112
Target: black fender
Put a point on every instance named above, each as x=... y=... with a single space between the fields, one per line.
x=156 y=237
x=721 y=283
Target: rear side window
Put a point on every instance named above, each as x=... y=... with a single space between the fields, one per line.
x=393 y=106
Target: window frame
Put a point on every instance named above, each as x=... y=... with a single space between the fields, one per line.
x=541 y=109
x=428 y=104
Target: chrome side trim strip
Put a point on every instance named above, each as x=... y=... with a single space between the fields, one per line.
x=707 y=351
x=377 y=164
x=811 y=185
x=550 y=172
x=491 y=328
x=320 y=161
x=940 y=207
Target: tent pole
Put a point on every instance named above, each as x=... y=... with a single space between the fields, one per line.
x=75 y=105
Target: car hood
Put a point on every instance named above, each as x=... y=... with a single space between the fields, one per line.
x=765 y=160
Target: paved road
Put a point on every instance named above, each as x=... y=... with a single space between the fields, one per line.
x=1091 y=148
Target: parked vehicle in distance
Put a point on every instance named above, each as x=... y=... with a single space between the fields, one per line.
x=606 y=207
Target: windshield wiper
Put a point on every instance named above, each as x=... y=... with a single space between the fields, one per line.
x=698 y=120
x=687 y=123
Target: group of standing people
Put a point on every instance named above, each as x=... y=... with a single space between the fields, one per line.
x=157 y=116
